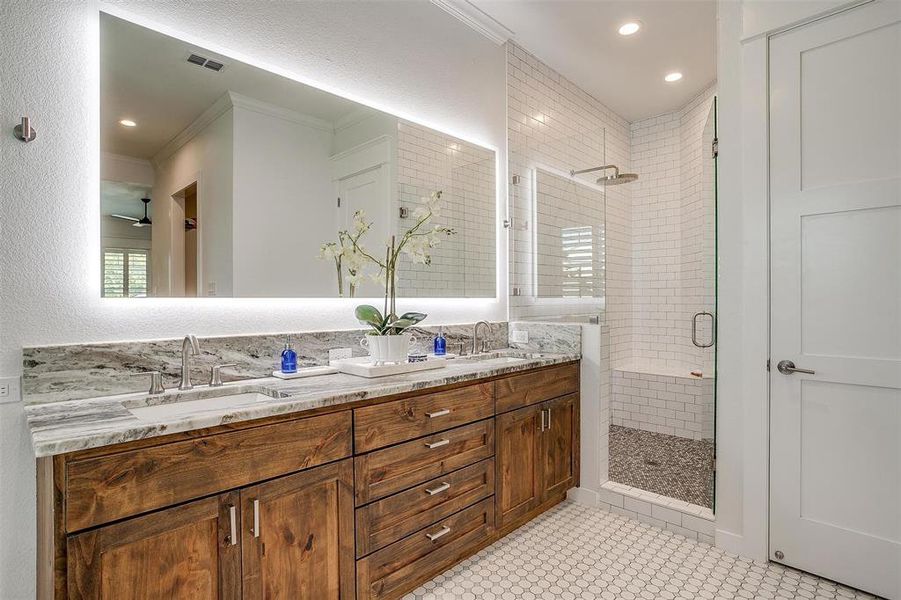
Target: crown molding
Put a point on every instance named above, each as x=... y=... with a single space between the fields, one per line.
x=218 y=108
x=223 y=104
x=278 y=112
x=477 y=19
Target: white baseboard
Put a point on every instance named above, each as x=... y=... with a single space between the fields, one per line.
x=730 y=542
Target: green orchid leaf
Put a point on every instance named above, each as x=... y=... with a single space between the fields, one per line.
x=370 y=315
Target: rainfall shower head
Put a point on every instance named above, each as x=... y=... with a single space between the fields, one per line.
x=616 y=179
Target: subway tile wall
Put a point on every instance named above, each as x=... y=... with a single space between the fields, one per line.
x=680 y=406
x=672 y=238
x=554 y=127
x=464 y=263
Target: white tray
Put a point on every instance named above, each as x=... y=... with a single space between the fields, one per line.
x=363 y=368
x=306 y=372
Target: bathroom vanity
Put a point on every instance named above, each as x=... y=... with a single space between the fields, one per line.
x=365 y=493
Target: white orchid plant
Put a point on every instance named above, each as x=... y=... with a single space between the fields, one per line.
x=345 y=256
x=416 y=243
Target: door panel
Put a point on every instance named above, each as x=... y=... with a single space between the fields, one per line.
x=183 y=553
x=298 y=541
x=559 y=469
x=519 y=466
x=835 y=201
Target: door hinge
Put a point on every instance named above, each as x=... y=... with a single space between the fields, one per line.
x=339 y=202
x=767 y=365
x=715 y=148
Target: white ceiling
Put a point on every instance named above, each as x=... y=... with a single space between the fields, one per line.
x=579 y=39
x=120 y=198
x=145 y=77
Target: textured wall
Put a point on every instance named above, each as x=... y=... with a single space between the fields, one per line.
x=405 y=57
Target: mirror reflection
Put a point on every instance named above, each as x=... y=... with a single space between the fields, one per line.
x=222 y=179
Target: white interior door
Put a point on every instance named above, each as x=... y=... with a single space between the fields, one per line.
x=835 y=193
x=368 y=191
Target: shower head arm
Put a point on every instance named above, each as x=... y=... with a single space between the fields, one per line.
x=593 y=169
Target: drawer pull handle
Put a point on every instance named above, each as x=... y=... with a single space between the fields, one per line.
x=441 y=488
x=256 y=519
x=233 y=525
x=438 y=534
x=437 y=444
x=438 y=413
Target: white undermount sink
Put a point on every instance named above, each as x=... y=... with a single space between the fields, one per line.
x=186 y=408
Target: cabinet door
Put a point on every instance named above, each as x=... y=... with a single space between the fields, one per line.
x=518 y=463
x=183 y=553
x=559 y=445
x=298 y=534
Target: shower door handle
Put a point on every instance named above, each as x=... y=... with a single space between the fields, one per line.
x=694 y=329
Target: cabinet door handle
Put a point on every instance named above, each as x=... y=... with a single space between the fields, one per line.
x=233 y=525
x=438 y=413
x=548 y=418
x=438 y=534
x=437 y=444
x=543 y=427
x=255 y=530
x=444 y=486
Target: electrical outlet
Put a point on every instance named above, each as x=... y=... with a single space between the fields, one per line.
x=10 y=389
x=520 y=336
x=339 y=353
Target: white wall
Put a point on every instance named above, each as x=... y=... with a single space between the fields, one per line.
x=206 y=159
x=283 y=207
x=393 y=55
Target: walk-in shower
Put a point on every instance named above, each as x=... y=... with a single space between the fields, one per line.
x=636 y=263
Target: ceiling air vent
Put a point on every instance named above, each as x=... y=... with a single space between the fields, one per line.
x=202 y=61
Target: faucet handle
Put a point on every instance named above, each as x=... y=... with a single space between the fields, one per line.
x=156 y=381
x=215 y=376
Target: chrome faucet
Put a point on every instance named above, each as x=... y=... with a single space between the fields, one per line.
x=189 y=343
x=476 y=348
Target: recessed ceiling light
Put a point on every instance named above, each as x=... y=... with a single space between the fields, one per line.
x=127 y=123
x=629 y=28
x=671 y=77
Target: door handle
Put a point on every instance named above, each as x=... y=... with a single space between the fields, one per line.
x=787 y=367
x=437 y=444
x=256 y=519
x=232 y=525
x=438 y=413
x=694 y=329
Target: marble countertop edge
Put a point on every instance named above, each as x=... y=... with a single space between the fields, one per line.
x=69 y=426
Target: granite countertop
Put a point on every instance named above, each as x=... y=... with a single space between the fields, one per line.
x=67 y=426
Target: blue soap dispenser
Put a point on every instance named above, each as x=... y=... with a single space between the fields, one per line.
x=440 y=343
x=289 y=357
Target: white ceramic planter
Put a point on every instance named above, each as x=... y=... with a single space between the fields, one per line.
x=388 y=348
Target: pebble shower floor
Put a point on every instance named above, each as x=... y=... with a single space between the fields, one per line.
x=577 y=552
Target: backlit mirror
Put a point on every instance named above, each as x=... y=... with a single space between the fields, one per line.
x=222 y=179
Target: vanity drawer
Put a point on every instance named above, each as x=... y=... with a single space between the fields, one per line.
x=402 y=420
x=105 y=488
x=402 y=566
x=388 y=520
x=536 y=386
x=390 y=470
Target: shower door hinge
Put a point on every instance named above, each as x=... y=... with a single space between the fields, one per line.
x=339 y=202
x=715 y=148
x=508 y=223
x=767 y=365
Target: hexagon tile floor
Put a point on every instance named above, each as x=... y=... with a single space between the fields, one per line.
x=575 y=552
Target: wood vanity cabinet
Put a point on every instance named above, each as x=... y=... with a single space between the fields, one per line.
x=537 y=449
x=362 y=501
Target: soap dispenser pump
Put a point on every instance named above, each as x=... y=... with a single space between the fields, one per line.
x=289 y=357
